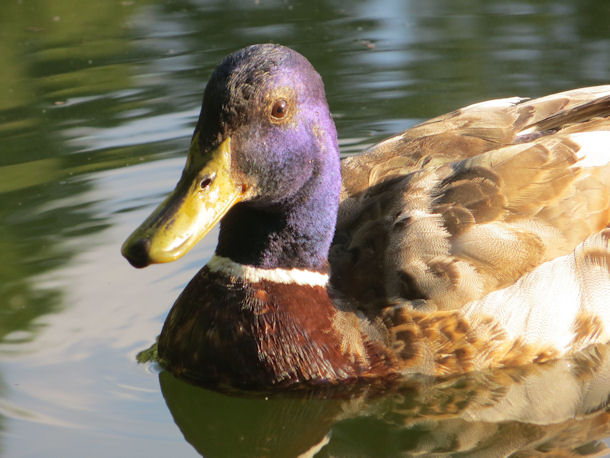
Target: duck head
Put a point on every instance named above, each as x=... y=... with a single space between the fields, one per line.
x=263 y=159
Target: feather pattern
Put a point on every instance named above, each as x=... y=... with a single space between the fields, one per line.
x=494 y=252
x=477 y=239
x=451 y=231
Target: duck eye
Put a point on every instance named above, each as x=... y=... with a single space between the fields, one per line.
x=279 y=109
x=206 y=180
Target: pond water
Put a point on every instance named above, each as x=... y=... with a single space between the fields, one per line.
x=97 y=105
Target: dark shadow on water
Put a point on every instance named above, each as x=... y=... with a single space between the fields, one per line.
x=555 y=409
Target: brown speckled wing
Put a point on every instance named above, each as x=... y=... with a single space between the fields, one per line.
x=512 y=326
x=469 y=202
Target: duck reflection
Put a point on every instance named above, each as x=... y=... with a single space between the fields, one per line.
x=555 y=409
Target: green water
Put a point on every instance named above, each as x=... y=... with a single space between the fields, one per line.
x=97 y=104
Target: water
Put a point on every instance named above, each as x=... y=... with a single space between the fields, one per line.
x=97 y=104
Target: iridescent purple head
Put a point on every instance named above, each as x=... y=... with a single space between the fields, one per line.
x=264 y=160
x=285 y=150
x=291 y=154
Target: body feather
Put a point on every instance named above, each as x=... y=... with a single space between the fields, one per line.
x=477 y=239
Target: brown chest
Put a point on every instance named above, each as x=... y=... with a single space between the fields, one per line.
x=259 y=335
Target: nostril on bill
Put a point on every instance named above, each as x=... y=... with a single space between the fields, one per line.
x=207 y=180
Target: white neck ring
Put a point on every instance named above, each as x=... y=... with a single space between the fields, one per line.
x=257 y=274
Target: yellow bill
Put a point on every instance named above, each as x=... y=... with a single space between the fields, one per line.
x=205 y=193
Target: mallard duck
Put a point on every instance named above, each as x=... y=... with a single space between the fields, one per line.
x=477 y=239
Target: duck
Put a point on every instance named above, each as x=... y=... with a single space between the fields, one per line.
x=478 y=239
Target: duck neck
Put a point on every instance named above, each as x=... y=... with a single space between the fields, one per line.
x=293 y=234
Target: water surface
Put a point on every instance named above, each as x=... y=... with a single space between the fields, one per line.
x=97 y=104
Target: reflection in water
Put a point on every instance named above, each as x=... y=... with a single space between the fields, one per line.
x=75 y=104
x=50 y=88
x=558 y=408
